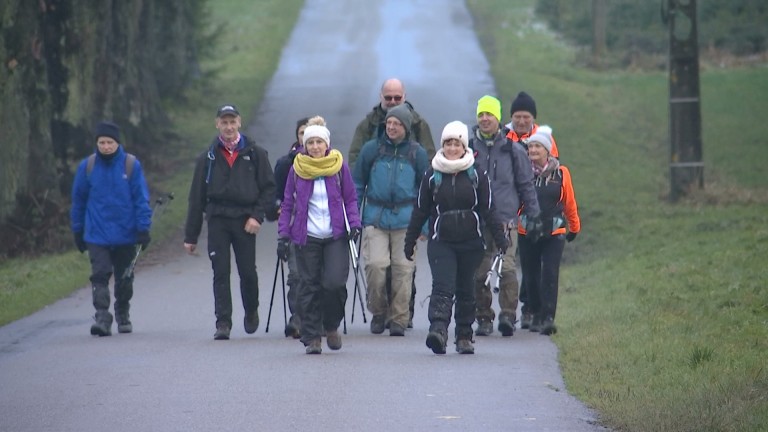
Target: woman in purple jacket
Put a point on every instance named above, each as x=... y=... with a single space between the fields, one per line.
x=319 y=215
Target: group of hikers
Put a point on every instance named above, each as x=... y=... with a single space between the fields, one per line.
x=488 y=192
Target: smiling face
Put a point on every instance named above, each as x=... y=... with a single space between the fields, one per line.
x=228 y=126
x=453 y=149
x=537 y=153
x=488 y=123
x=395 y=129
x=316 y=147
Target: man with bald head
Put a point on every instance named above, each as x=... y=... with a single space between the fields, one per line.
x=372 y=126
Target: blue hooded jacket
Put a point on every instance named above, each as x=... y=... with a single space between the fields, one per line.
x=107 y=206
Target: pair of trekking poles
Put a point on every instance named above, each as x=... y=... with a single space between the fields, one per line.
x=360 y=283
x=158 y=207
x=493 y=278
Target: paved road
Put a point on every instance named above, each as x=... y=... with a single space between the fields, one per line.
x=171 y=375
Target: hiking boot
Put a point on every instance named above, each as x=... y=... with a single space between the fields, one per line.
x=102 y=325
x=506 y=326
x=222 y=331
x=548 y=326
x=484 y=328
x=396 y=329
x=377 y=324
x=535 y=324
x=251 y=322
x=526 y=320
x=314 y=347
x=124 y=324
x=333 y=339
x=464 y=346
x=436 y=342
x=292 y=329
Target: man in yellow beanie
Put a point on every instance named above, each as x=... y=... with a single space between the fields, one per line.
x=511 y=177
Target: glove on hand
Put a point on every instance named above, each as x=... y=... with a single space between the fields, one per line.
x=354 y=234
x=273 y=213
x=570 y=236
x=80 y=242
x=408 y=249
x=534 y=228
x=282 y=248
x=142 y=238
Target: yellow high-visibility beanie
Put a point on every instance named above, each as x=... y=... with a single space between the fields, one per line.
x=490 y=105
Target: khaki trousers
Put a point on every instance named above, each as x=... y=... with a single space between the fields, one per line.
x=381 y=249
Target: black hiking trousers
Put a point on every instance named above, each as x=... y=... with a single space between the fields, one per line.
x=225 y=233
x=323 y=266
x=105 y=262
x=453 y=267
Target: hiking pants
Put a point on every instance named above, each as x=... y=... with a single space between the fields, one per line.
x=323 y=265
x=381 y=249
x=224 y=233
x=106 y=261
x=453 y=267
x=540 y=262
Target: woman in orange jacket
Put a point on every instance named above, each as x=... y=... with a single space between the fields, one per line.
x=540 y=258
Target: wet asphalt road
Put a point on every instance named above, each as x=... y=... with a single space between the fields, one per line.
x=171 y=375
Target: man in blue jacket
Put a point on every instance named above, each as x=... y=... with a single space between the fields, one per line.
x=110 y=215
x=387 y=175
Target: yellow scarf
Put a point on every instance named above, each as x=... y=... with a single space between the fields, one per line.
x=310 y=168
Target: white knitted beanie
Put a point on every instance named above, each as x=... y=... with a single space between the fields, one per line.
x=458 y=130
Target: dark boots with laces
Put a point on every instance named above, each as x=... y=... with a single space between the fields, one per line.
x=464 y=342
x=103 y=323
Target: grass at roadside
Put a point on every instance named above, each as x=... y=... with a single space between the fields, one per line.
x=251 y=38
x=663 y=307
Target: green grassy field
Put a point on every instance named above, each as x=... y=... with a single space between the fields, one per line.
x=663 y=310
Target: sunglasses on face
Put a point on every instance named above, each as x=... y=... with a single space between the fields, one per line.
x=396 y=98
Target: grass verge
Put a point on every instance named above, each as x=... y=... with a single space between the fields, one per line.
x=250 y=38
x=663 y=311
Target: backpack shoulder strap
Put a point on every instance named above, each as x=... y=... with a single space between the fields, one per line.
x=89 y=164
x=130 y=161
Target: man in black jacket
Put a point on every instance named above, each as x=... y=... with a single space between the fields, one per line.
x=233 y=186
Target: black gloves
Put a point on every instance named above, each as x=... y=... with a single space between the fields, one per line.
x=273 y=213
x=408 y=249
x=282 y=248
x=534 y=228
x=570 y=236
x=142 y=238
x=80 y=242
x=354 y=234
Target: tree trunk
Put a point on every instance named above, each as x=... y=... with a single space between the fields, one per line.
x=67 y=65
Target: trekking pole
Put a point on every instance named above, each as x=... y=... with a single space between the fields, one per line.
x=353 y=253
x=493 y=277
x=157 y=209
x=272 y=297
x=358 y=276
x=282 y=277
x=358 y=291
